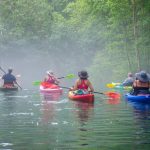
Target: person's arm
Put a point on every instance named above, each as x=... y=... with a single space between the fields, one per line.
x=90 y=86
x=3 y=76
x=75 y=87
x=45 y=79
x=56 y=80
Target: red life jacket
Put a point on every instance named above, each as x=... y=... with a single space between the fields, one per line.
x=6 y=85
x=83 y=85
x=50 y=80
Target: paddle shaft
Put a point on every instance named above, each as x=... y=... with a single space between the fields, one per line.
x=2 y=70
x=64 y=87
x=99 y=93
x=70 y=88
x=60 y=77
x=5 y=73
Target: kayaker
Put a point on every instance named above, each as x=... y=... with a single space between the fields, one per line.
x=141 y=84
x=9 y=79
x=129 y=80
x=83 y=85
x=50 y=78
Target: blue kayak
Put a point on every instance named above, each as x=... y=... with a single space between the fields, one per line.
x=138 y=98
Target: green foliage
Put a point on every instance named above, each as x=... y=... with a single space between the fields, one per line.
x=113 y=34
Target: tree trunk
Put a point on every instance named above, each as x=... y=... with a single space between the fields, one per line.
x=135 y=33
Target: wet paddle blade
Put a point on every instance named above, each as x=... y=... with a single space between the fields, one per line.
x=110 y=85
x=36 y=82
x=70 y=76
x=113 y=95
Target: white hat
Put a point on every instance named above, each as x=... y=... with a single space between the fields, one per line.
x=50 y=72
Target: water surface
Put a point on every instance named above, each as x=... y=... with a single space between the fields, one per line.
x=32 y=121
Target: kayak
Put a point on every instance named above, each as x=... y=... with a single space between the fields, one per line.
x=143 y=98
x=84 y=97
x=50 y=88
x=5 y=89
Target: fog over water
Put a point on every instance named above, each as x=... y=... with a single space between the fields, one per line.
x=31 y=61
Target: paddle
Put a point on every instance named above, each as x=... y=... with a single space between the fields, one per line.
x=69 y=76
x=5 y=73
x=118 y=86
x=113 y=95
x=112 y=85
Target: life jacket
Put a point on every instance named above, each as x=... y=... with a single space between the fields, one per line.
x=50 y=80
x=83 y=85
x=141 y=85
x=7 y=85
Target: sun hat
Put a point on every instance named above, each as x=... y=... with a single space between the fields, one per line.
x=142 y=76
x=50 y=72
x=83 y=74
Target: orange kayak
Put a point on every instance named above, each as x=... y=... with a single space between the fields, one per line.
x=84 y=98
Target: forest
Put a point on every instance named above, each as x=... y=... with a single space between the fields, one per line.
x=109 y=38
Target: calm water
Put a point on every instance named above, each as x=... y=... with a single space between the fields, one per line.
x=30 y=121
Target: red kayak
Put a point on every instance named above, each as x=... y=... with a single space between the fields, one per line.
x=50 y=88
x=84 y=97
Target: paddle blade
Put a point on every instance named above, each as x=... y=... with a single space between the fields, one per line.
x=116 y=83
x=18 y=75
x=109 y=85
x=113 y=95
x=36 y=83
x=70 y=76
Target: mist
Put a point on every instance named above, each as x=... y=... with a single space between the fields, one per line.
x=31 y=61
x=63 y=37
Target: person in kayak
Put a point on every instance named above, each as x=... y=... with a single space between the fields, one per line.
x=9 y=79
x=50 y=78
x=129 y=80
x=141 y=84
x=82 y=85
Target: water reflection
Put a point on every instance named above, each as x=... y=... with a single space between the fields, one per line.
x=51 y=96
x=48 y=106
x=84 y=110
x=113 y=101
x=142 y=110
x=9 y=100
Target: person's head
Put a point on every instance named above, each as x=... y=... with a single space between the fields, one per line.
x=50 y=73
x=10 y=70
x=83 y=74
x=142 y=76
x=130 y=74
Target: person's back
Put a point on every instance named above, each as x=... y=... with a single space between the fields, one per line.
x=129 y=81
x=9 y=78
x=50 y=78
x=83 y=83
x=142 y=83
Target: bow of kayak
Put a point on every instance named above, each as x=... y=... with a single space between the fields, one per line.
x=143 y=98
x=50 y=88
